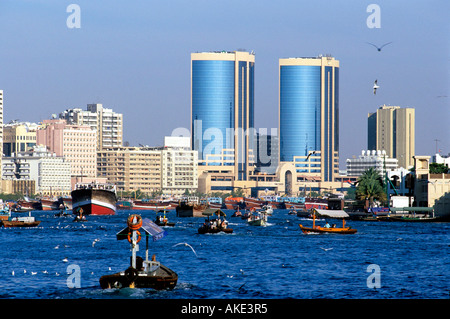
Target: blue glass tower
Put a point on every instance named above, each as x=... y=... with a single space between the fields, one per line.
x=309 y=115
x=222 y=109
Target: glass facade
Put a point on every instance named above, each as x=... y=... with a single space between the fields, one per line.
x=299 y=110
x=212 y=106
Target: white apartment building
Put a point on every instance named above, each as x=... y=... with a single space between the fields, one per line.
x=107 y=123
x=51 y=173
x=370 y=158
x=179 y=166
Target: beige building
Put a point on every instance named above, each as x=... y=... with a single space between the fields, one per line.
x=107 y=123
x=170 y=169
x=131 y=168
x=431 y=190
x=392 y=128
x=18 y=137
x=76 y=143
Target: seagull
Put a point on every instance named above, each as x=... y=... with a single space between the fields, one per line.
x=326 y=249
x=186 y=244
x=65 y=260
x=12 y=273
x=379 y=48
x=45 y=272
x=375 y=87
x=24 y=271
x=95 y=241
x=33 y=273
x=56 y=247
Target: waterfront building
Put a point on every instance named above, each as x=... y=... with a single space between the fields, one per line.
x=50 y=173
x=309 y=116
x=267 y=153
x=377 y=160
x=431 y=190
x=170 y=170
x=107 y=123
x=18 y=137
x=222 y=110
x=76 y=143
x=392 y=128
x=442 y=159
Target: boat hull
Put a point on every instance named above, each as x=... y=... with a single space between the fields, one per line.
x=323 y=230
x=206 y=230
x=258 y=222
x=12 y=223
x=94 y=201
x=164 y=279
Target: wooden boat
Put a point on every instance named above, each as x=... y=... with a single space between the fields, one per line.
x=190 y=209
x=257 y=219
x=27 y=221
x=214 y=226
x=141 y=273
x=234 y=203
x=161 y=219
x=340 y=214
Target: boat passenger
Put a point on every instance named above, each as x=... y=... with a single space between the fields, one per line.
x=327 y=225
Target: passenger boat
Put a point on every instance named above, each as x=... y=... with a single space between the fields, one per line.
x=26 y=221
x=94 y=199
x=257 y=219
x=340 y=214
x=253 y=203
x=234 y=203
x=216 y=225
x=50 y=203
x=190 y=209
x=149 y=205
x=5 y=210
x=141 y=273
x=162 y=220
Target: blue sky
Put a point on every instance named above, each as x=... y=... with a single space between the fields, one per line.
x=134 y=57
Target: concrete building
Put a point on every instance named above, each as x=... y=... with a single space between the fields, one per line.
x=18 y=137
x=76 y=143
x=309 y=115
x=442 y=159
x=107 y=123
x=371 y=158
x=50 y=173
x=431 y=190
x=222 y=110
x=392 y=128
x=171 y=169
x=131 y=168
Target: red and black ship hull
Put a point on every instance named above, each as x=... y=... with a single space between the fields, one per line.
x=94 y=201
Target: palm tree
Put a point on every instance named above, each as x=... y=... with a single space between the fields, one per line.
x=371 y=186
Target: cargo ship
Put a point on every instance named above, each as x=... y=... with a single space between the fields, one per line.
x=94 y=199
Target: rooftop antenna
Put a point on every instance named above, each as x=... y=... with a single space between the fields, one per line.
x=436 y=140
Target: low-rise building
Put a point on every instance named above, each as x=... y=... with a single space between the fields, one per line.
x=371 y=159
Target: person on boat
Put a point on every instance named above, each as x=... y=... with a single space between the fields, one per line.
x=333 y=226
x=326 y=225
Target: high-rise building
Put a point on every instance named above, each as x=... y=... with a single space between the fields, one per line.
x=107 y=123
x=76 y=143
x=18 y=137
x=309 y=115
x=392 y=128
x=222 y=109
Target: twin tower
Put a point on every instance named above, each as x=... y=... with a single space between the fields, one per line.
x=223 y=108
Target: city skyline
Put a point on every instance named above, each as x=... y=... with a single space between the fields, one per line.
x=134 y=57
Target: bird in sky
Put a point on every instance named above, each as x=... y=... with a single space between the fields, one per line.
x=186 y=244
x=375 y=87
x=379 y=48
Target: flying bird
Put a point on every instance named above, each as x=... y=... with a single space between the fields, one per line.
x=375 y=87
x=379 y=48
x=186 y=244
x=326 y=249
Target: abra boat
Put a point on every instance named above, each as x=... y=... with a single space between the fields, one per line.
x=94 y=199
x=141 y=273
x=257 y=219
x=214 y=226
x=340 y=214
x=26 y=221
x=162 y=220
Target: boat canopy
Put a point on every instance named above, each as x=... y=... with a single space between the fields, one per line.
x=213 y=211
x=148 y=229
x=331 y=213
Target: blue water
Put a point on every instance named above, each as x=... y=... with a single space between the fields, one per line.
x=277 y=261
